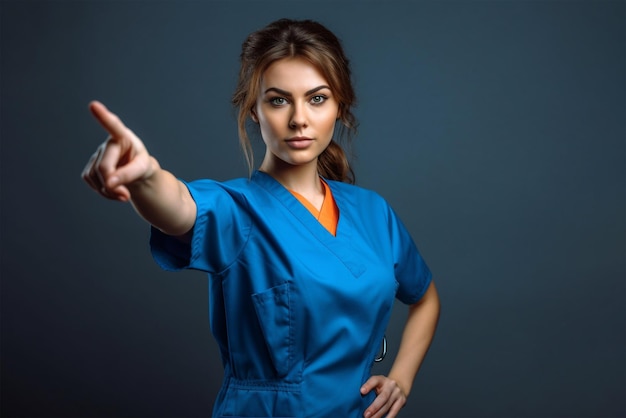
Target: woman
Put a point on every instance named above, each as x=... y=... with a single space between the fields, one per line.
x=303 y=267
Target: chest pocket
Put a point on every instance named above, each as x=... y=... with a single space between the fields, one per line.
x=275 y=314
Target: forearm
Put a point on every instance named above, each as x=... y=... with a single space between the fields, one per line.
x=416 y=338
x=164 y=201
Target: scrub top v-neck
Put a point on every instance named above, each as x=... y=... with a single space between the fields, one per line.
x=328 y=214
x=294 y=309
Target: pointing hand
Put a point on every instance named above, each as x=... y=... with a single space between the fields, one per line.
x=120 y=161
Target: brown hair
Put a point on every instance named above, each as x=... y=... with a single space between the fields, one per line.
x=313 y=42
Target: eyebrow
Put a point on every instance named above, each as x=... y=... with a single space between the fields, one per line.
x=286 y=93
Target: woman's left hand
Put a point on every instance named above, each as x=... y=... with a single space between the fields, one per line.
x=389 y=400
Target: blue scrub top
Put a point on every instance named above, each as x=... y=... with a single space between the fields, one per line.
x=298 y=314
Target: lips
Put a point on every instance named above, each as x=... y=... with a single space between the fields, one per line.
x=299 y=142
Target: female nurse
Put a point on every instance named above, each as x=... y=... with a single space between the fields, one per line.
x=303 y=266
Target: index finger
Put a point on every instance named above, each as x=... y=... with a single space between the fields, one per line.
x=109 y=120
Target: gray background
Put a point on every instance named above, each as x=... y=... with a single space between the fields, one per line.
x=495 y=128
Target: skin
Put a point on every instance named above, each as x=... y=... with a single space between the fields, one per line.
x=294 y=101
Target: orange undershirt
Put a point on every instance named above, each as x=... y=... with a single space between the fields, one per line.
x=328 y=215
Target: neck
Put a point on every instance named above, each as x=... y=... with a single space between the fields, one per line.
x=303 y=179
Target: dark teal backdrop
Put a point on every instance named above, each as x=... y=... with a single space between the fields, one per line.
x=495 y=128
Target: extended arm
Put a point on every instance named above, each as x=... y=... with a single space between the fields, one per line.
x=122 y=169
x=418 y=333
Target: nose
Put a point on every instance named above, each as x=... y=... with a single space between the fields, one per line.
x=298 y=117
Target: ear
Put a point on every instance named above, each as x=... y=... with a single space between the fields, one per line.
x=254 y=116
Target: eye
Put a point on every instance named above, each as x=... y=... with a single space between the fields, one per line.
x=278 y=101
x=319 y=99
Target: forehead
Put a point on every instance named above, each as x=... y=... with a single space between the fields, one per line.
x=292 y=74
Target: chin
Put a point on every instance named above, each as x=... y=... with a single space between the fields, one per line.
x=300 y=160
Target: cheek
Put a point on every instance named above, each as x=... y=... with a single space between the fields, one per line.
x=330 y=126
x=270 y=129
x=265 y=123
x=331 y=119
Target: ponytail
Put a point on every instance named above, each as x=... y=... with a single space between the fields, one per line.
x=333 y=164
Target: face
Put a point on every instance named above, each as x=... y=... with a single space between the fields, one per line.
x=296 y=112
